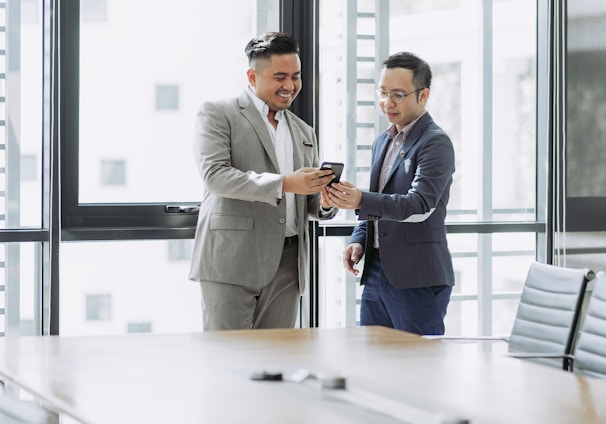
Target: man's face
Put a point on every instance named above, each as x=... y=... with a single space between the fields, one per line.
x=277 y=81
x=397 y=82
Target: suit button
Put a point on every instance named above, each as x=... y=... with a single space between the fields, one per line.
x=282 y=220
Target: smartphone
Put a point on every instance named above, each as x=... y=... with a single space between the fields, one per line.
x=337 y=169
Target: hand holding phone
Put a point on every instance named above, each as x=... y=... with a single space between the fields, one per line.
x=336 y=168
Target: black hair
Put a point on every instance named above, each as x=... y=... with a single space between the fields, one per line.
x=421 y=72
x=266 y=45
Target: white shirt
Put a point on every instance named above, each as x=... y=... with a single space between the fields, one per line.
x=282 y=141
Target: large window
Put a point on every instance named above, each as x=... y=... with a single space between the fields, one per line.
x=580 y=233
x=141 y=82
x=141 y=69
x=23 y=171
x=108 y=90
x=585 y=94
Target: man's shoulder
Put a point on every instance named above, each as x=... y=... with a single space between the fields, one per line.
x=242 y=101
x=294 y=119
x=429 y=127
x=425 y=121
x=227 y=107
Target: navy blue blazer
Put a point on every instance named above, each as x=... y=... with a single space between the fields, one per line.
x=411 y=211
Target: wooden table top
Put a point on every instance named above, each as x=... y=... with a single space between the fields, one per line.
x=205 y=377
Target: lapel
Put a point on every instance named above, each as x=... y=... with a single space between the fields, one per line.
x=250 y=112
x=413 y=137
x=298 y=141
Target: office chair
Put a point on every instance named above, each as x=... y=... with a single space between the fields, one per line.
x=589 y=357
x=547 y=319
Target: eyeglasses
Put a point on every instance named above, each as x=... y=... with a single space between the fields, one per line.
x=395 y=96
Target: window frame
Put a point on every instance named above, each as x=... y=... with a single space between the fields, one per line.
x=138 y=221
x=102 y=221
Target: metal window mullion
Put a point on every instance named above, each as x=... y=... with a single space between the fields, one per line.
x=381 y=52
x=351 y=126
x=558 y=162
x=62 y=126
x=12 y=190
x=543 y=206
x=485 y=240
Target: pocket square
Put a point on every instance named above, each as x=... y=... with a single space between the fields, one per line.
x=407 y=163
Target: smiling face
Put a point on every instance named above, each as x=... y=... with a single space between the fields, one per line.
x=276 y=80
x=402 y=114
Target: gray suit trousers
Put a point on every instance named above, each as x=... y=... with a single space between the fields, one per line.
x=234 y=307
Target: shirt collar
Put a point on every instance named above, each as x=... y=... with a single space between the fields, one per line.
x=392 y=131
x=262 y=106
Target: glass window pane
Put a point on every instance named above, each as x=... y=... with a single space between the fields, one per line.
x=583 y=249
x=29 y=168
x=134 y=71
x=21 y=120
x=30 y=11
x=498 y=281
x=493 y=132
x=120 y=287
x=585 y=107
x=94 y=10
x=513 y=165
x=20 y=288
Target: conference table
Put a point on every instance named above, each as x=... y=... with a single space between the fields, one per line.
x=314 y=375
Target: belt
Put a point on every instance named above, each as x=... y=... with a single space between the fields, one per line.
x=291 y=241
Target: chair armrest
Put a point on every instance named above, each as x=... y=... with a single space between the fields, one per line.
x=538 y=355
x=568 y=360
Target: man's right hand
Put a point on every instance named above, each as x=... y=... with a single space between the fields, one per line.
x=351 y=256
x=307 y=181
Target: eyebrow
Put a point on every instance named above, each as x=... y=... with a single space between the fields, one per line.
x=285 y=74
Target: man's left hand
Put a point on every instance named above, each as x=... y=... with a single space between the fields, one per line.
x=344 y=195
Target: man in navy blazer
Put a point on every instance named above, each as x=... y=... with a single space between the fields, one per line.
x=408 y=273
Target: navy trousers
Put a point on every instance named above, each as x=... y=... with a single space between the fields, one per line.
x=419 y=310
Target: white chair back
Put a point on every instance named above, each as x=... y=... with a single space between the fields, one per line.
x=549 y=309
x=590 y=352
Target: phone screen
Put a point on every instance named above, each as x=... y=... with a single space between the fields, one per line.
x=337 y=169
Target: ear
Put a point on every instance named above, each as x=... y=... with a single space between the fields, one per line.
x=424 y=95
x=252 y=77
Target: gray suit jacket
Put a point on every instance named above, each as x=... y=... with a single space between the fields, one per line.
x=241 y=225
x=412 y=208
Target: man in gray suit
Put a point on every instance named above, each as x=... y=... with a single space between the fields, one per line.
x=408 y=273
x=259 y=164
